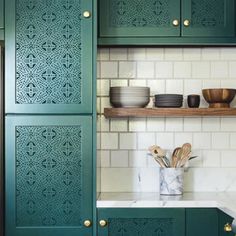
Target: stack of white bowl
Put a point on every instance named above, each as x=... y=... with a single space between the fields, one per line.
x=129 y=96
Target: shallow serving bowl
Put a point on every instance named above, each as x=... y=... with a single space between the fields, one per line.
x=219 y=98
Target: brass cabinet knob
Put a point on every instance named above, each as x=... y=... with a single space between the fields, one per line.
x=87 y=14
x=228 y=227
x=87 y=223
x=186 y=23
x=175 y=22
x=102 y=223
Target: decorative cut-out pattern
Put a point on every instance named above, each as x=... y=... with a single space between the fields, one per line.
x=48 y=52
x=139 y=13
x=141 y=227
x=48 y=175
x=207 y=13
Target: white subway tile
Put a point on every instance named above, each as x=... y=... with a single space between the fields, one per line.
x=119 y=125
x=228 y=83
x=211 y=124
x=138 y=158
x=228 y=53
x=109 y=141
x=145 y=69
x=210 y=54
x=118 y=54
x=105 y=102
x=105 y=124
x=165 y=140
x=105 y=158
x=119 y=82
x=98 y=160
x=181 y=138
x=192 y=86
x=192 y=54
x=220 y=140
x=233 y=140
x=200 y=70
x=219 y=70
x=182 y=70
x=98 y=69
x=228 y=124
x=119 y=159
x=174 y=54
x=213 y=83
x=164 y=70
x=156 y=54
x=128 y=141
x=137 y=124
x=137 y=82
x=201 y=140
x=127 y=69
x=98 y=105
x=211 y=158
x=228 y=159
x=156 y=86
x=103 y=54
x=145 y=140
x=98 y=87
x=98 y=123
x=232 y=69
x=136 y=54
x=104 y=87
x=174 y=86
x=98 y=141
x=155 y=124
x=109 y=69
x=174 y=124
x=192 y=124
x=198 y=161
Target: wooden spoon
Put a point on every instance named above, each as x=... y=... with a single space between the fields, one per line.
x=174 y=158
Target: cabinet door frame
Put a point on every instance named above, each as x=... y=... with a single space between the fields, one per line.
x=10 y=180
x=228 y=30
x=87 y=68
x=125 y=213
x=105 y=30
x=1 y=14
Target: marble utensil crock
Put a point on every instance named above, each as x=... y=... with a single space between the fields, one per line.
x=171 y=181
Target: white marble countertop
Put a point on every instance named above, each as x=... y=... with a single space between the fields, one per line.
x=225 y=201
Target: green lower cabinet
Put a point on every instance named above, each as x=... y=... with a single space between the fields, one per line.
x=223 y=220
x=48 y=175
x=141 y=222
x=201 y=222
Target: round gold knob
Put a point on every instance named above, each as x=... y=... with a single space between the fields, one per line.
x=87 y=223
x=186 y=23
x=102 y=223
x=87 y=14
x=175 y=22
x=228 y=227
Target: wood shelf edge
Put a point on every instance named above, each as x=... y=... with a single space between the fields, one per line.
x=167 y=112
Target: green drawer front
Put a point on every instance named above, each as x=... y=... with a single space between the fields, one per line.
x=141 y=221
x=48 y=189
x=48 y=56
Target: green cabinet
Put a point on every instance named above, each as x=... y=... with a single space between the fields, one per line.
x=49 y=56
x=1 y=14
x=167 y=22
x=223 y=220
x=141 y=221
x=48 y=175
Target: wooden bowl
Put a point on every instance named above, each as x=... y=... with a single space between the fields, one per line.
x=219 y=98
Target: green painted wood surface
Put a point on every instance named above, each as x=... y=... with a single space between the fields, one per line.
x=48 y=175
x=224 y=219
x=49 y=58
x=209 y=18
x=141 y=221
x=202 y=222
x=1 y=14
x=138 y=18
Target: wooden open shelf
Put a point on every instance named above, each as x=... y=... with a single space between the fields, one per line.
x=164 y=112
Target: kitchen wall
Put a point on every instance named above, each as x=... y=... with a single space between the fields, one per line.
x=123 y=143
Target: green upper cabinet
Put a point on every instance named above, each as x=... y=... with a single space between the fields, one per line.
x=208 y=18
x=138 y=18
x=1 y=14
x=167 y=22
x=49 y=56
x=141 y=221
x=48 y=175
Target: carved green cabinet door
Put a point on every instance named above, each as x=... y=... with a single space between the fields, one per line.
x=49 y=63
x=48 y=175
x=138 y=18
x=141 y=222
x=208 y=18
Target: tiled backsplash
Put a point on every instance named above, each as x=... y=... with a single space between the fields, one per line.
x=123 y=143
